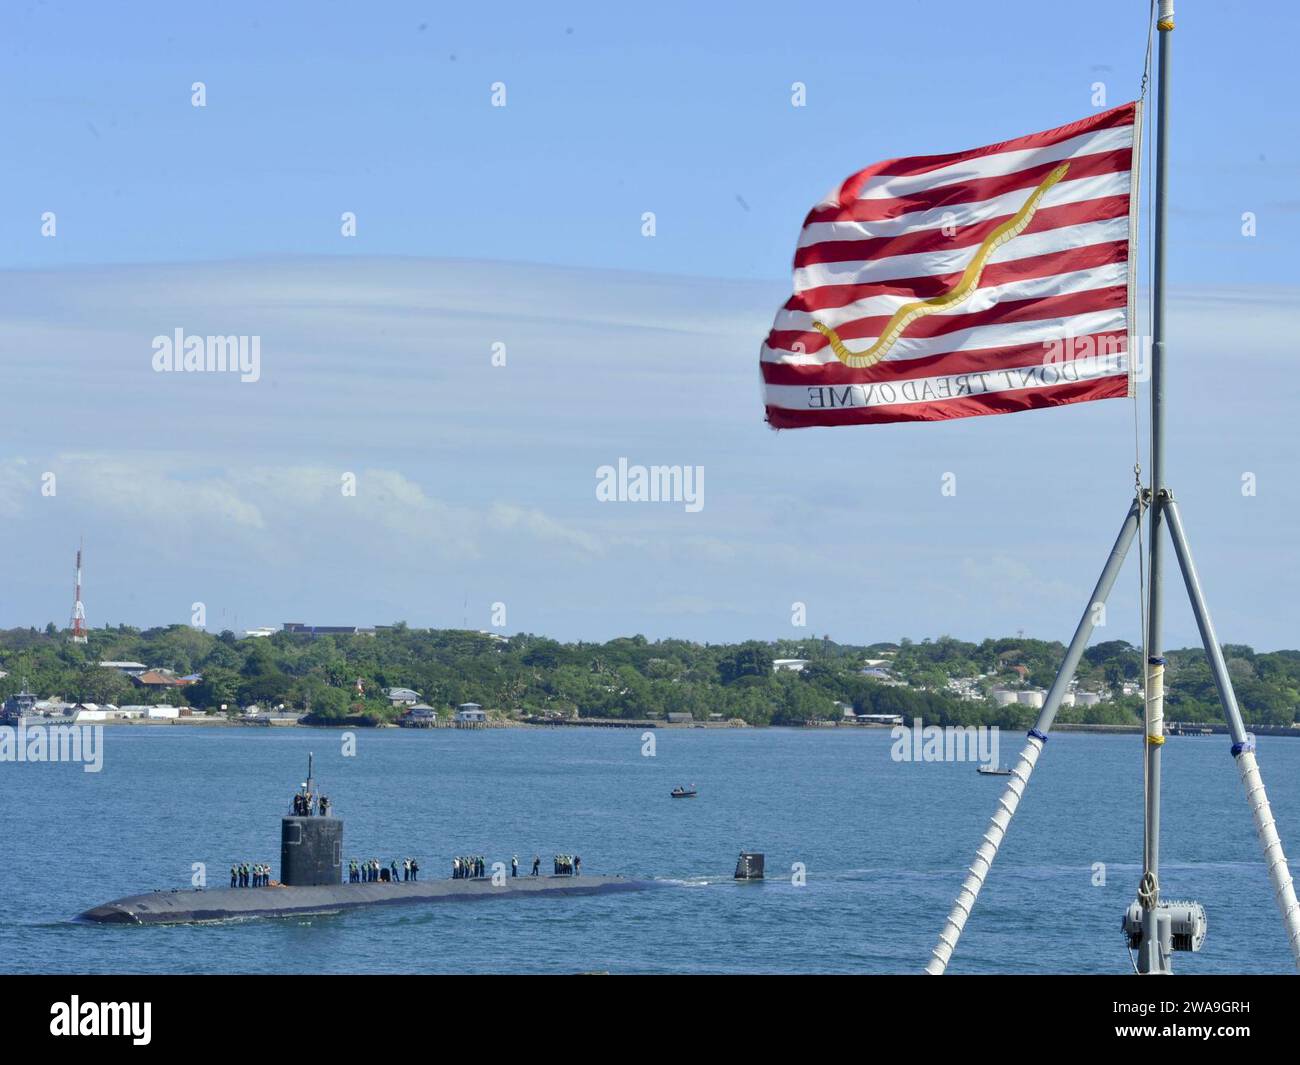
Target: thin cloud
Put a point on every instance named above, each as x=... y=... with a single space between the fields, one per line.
x=477 y=481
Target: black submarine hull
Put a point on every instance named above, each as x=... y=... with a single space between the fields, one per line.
x=222 y=904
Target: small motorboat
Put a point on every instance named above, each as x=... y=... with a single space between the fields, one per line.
x=684 y=793
x=993 y=770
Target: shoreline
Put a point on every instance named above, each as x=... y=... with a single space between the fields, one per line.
x=1191 y=729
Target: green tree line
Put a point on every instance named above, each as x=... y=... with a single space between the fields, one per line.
x=337 y=677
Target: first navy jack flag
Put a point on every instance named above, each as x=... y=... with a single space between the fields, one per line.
x=981 y=282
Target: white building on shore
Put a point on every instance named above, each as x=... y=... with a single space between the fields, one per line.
x=793 y=665
x=470 y=714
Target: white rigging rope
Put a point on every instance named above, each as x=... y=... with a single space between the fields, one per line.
x=1279 y=872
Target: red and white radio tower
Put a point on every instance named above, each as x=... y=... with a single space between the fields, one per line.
x=78 y=611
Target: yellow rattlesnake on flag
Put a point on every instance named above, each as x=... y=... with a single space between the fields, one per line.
x=981 y=282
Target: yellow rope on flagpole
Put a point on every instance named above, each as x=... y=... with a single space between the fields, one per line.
x=966 y=284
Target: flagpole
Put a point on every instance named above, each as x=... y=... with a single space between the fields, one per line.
x=1151 y=958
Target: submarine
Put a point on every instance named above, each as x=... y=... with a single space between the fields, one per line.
x=312 y=883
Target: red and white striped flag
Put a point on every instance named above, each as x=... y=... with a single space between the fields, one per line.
x=981 y=282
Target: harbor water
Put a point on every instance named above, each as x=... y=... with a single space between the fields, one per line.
x=863 y=853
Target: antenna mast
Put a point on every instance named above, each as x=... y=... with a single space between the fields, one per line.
x=78 y=624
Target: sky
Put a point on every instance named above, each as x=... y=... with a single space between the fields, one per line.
x=515 y=233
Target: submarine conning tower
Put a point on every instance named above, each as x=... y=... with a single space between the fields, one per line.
x=311 y=843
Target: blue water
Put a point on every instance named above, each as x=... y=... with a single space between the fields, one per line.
x=884 y=845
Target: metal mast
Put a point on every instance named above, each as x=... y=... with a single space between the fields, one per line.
x=78 y=624
x=1151 y=959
